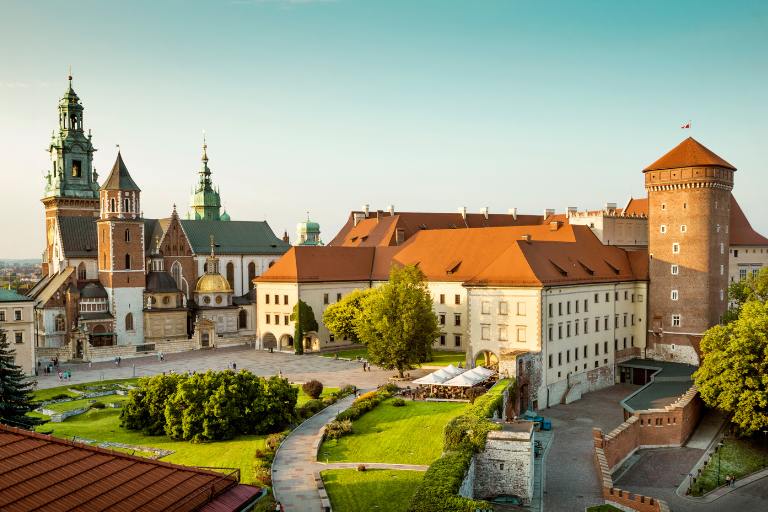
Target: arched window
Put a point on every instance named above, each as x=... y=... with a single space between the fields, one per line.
x=112 y=205
x=60 y=323
x=251 y=274
x=231 y=275
x=127 y=262
x=242 y=319
x=176 y=273
x=127 y=235
x=126 y=205
x=81 y=271
x=129 y=322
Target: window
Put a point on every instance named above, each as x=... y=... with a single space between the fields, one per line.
x=576 y=327
x=2 y=316
x=568 y=330
x=457 y=340
x=615 y=344
x=268 y=318
x=277 y=299
x=577 y=306
x=442 y=298
x=586 y=306
x=457 y=319
x=127 y=235
x=441 y=317
x=17 y=315
x=673 y=295
x=663 y=206
x=286 y=319
x=632 y=340
x=277 y=319
x=521 y=309
x=568 y=308
x=632 y=322
x=567 y=356
x=285 y=300
x=722 y=269
x=76 y=168
x=626 y=295
x=586 y=326
x=605 y=323
x=112 y=205
x=127 y=262
x=607 y=297
x=616 y=296
x=597 y=349
x=616 y=321
x=735 y=253
x=675 y=248
x=503 y=308
x=485 y=307
x=338 y=297
x=231 y=276
x=325 y=298
x=597 y=324
x=549 y=361
x=576 y=355
x=559 y=331
x=742 y=273
x=675 y=270
x=605 y=347
x=266 y=299
x=586 y=351
x=559 y=309
x=597 y=363
x=60 y=323
x=251 y=275
x=457 y=299
x=442 y=340
x=663 y=228
x=722 y=295
x=625 y=319
x=485 y=332
x=521 y=333
x=559 y=359
x=550 y=332
x=550 y=310
x=18 y=337
x=242 y=319
x=675 y=320
x=684 y=228
x=129 y=322
x=502 y=333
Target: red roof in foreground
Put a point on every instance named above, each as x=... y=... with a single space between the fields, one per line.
x=689 y=153
x=40 y=472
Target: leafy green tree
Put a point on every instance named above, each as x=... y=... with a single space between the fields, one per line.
x=15 y=390
x=342 y=317
x=754 y=287
x=145 y=408
x=397 y=322
x=733 y=375
x=304 y=322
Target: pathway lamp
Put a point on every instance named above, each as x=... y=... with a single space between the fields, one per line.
x=719 y=456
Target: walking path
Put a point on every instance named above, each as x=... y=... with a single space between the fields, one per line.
x=295 y=461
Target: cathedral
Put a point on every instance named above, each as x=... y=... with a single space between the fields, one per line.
x=116 y=283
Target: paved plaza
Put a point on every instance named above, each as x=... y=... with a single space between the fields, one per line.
x=329 y=371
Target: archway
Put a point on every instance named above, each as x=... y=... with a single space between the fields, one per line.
x=286 y=341
x=81 y=275
x=242 y=319
x=311 y=342
x=231 y=275
x=269 y=341
x=488 y=359
x=251 y=275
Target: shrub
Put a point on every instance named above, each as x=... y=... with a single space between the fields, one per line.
x=329 y=400
x=60 y=396
x=98 y=405
x=346 y=389
x=263 y=476
x=361 y=467
x=313 y=388
x=338 y=428
x=273 y=440
x=310 y=408
x=398 y=402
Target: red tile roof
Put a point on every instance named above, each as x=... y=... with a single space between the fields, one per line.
x=740 y=230
x=40 y=472
x=689 y=153
x=637 y=207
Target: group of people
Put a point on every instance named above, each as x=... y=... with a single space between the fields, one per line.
x=730 y=481
x=232 y=366
x=366 y=365
x=160 y=356
x=118 y=359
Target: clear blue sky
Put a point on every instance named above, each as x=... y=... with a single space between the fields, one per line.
x=424 y=104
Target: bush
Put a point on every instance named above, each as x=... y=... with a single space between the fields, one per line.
x=263 y=476
x=398 y=402
x=361 y=467
x=313 y=388
x=60 y=396
x=98 y=405
x=273 y=440
x=346 y=389
x=310 y=408
x=329 y=400
x=338 y=428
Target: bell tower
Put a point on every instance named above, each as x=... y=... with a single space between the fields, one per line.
x=689 y=197
x=206 y=201
x=121 y=261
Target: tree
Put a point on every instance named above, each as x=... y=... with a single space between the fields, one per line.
x=15 y=390
x=733 y=375
x=397 y=322
x=753 y=287
x=342 y=317
x=304 y=321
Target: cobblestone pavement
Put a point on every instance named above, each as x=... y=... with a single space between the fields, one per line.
x=329 y=371
x=571 y=483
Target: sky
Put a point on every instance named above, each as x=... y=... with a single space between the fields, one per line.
x=322 y=106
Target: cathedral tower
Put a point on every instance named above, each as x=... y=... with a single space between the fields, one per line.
x=121 y=259
x=206 y=202
x=689 y=194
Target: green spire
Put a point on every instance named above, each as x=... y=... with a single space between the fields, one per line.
x=206 y=202
x=71 y=173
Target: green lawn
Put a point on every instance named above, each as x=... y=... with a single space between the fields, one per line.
x=740 y=457
x=77 y=404
x=104 y=425
x=400 y=435
x=42 y=395
x=304 y=398
x=376 y=489
x=439 y=358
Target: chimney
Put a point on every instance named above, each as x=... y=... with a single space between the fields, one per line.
x=549 y=212
x=463 y=212
x=610 y=206
x=572 y=211
x=513 y=213
x=484 y=211
x=366 y=210
x=554 y=225
x=357 y=217
x=391 y=209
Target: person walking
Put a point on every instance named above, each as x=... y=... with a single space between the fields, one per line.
x=733 y=481
x=234 y=365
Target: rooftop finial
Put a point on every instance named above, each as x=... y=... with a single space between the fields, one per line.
x=69 y=75
x=205 y=148
x=213 y=245
x=307 y=216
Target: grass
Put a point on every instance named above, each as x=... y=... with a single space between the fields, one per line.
x=375 y=489
x=304 y=398
x=42 y=395
x=104 y=425
x=77 y=404
x=739 y=457
x=603 y=508
x=400 y=435
x=439 y=357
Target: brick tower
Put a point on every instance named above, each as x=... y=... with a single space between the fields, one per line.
x=689 y=194
x=71 y=187
x=121 y=252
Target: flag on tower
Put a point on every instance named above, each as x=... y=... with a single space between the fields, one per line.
x=686 y=125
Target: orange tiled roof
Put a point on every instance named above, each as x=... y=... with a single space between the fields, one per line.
x=740 y=230
x=637 y=207
x=311 y=264
x=379 y=228
x=39 y=471
x=689 y=153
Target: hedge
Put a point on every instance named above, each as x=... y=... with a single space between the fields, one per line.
x=463 y=436
x=367 y=402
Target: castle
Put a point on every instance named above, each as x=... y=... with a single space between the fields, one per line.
x=117 y=283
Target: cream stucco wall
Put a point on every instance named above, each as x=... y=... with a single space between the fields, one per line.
x=743 y=260
x=25 y=349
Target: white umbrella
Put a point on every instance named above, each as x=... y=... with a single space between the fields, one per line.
x=453 y=370
x=465 y=380
x=481 y=370
x=432 y=378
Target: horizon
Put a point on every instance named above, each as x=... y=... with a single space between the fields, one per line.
x=324 y=106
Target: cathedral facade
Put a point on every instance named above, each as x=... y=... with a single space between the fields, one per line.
x=113 y=278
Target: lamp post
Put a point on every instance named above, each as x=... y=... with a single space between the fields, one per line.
x=719 y=456
x=765 y=446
